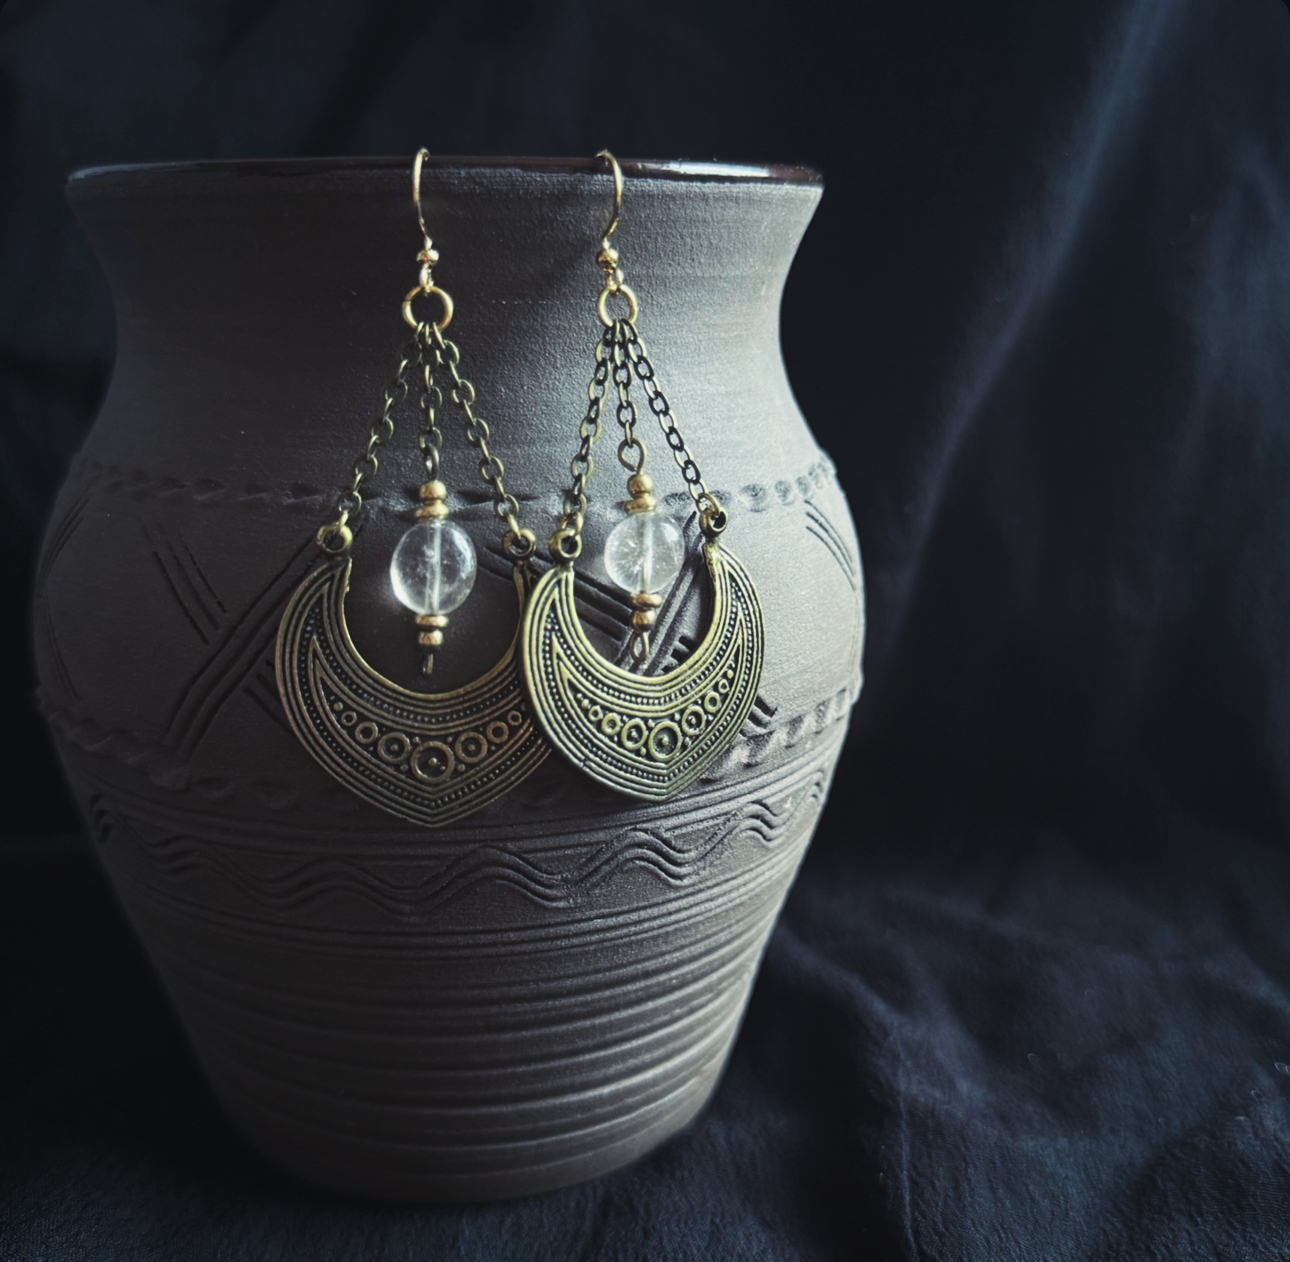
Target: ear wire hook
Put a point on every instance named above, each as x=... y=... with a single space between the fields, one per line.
x=618 y=195
x=428 y=257
x=608 y=256
x=422 y=155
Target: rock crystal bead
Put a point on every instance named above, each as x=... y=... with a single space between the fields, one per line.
x=433 y=567
x=644 y=552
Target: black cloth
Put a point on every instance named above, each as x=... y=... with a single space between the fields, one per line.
x=1030 y=998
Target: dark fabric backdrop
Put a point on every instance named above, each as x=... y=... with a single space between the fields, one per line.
x=1030 y=998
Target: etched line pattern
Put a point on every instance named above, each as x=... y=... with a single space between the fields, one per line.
x=185 y=580
x=59 y=537
x=828 y=534
x=262 y=689
x=298 y=497
x=241 y=645
x=297 y=885
x=239 y=652
x=765 y=732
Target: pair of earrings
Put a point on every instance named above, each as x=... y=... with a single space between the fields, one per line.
x=436 y=757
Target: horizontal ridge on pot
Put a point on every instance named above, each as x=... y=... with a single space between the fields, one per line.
x=547 y=989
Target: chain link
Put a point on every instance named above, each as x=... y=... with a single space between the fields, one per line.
x=620 y=353
x=430 y=440
x=432 y=352
x=705 y=502
x=336 y=536
x=631 y=451
x=566 y=543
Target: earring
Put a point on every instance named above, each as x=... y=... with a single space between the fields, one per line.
x=427 y=757
x=646 y=736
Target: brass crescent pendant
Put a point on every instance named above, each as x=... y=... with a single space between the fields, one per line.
x=648 y=737
x=428 y=757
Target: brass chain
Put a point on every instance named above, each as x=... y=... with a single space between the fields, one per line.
x=631 y=451
x=566 y=543
x=620 y=346
x=517 y=543
x=712 y=517
x=430 y=351
x=430 y=440
x=336 y=536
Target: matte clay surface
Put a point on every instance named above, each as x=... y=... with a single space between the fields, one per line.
x=546 y=990
x=1028 y=997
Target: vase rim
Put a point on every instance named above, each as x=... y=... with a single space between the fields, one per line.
x=86 y=180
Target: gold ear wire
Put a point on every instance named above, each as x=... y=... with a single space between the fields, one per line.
x=607 y=259
x=422 y=155
x=428 y=257
x=618 y=196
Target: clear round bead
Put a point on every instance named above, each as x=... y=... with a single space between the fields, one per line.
x=644 y=552
x=433 y=567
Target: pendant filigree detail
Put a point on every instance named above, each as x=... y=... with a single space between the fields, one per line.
x=646 y=736
x=428 y=757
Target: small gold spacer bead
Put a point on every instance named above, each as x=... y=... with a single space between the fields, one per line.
x=640 y=484
x=647 y=600
x=641 y=504
x=430 y=639
x=436 y=510
x=439 y=620
x=643 y=619
x=433 y=490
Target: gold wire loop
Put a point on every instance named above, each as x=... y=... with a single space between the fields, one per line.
x=618 y=195
x=433 y=291
x=519 y=545
x=635 y=445
x=712 y=521
x=422 y=155
x=616 y=290
x=335 y=530
x=566 y=544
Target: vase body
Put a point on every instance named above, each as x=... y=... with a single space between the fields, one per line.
x=543 y=991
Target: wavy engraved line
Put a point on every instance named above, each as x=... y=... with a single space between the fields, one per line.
x=744 y=883
x=701 y=905
x=303 y=884
x=166 y=769
x=711 y=943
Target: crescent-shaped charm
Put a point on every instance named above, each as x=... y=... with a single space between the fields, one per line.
x=429 y=757
x=645 y=736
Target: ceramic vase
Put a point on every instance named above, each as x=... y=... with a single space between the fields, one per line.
x=548 y=989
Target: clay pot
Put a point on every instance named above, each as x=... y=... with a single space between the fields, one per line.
x=548 y=989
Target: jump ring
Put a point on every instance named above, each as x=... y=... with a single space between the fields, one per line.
x=435 y=292
x=602 y=304
x=335 y=530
